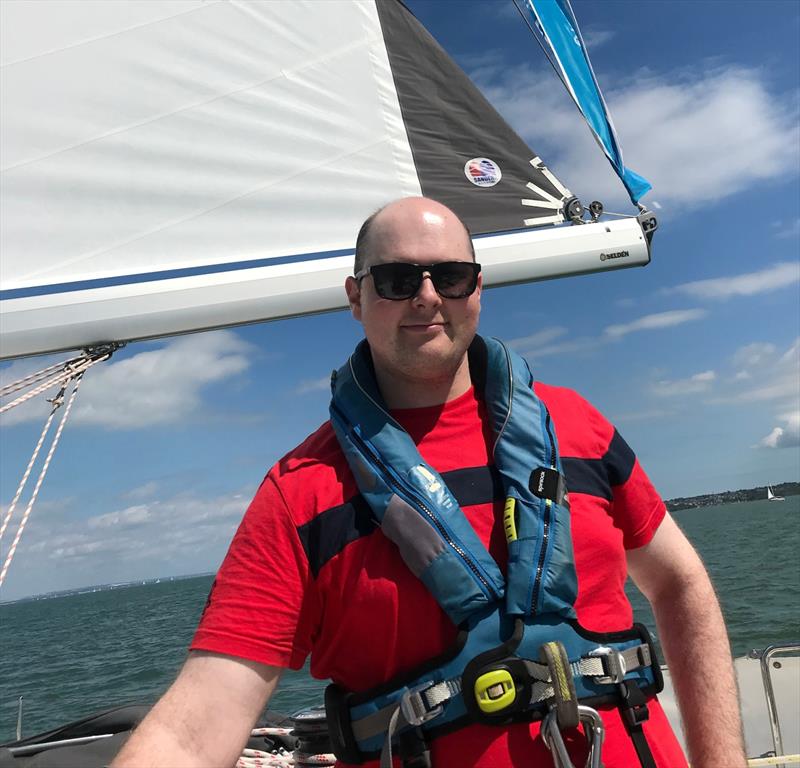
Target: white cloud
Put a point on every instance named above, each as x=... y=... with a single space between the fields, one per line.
x=529 y=344
x=594 y=37
x=655 y=321
x=764 y=375
x=165 y=531
x=581 y=344
x=126 y=518
x=697 y=136
x=787 y=229
x=550 y=342
x=322 y=384
x=146 y=491
x=157 y=386
x=787 y=436
x=753 y=355
x=771 y=278
x=699 y=382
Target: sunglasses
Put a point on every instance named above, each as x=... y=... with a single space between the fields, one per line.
x=399 y=280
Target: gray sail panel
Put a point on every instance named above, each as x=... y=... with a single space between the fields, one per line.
x=450 y=123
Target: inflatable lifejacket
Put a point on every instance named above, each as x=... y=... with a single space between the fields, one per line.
x=521 y=654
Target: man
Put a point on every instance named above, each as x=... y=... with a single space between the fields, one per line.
x=306 y=575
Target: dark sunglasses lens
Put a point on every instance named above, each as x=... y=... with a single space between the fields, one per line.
x=451 y=279
x=454 y=279
x=396 y=281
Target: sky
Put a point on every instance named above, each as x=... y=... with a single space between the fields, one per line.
x=695 y=358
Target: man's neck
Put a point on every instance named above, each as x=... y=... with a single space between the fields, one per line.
x=400 y=391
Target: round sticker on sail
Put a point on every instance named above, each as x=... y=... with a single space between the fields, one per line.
x=482 y=172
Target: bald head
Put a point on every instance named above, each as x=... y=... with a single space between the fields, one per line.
x=386 y=227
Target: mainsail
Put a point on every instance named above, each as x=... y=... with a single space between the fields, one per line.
x=176 y=166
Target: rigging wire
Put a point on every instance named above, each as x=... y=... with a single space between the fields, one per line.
x=539 y=35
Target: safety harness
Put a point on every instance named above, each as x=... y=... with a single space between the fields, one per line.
x=520 y=655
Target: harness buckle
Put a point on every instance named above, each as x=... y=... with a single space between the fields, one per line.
x=634 y=705
x=414 y=707
x=495 y=690
x=613 y=665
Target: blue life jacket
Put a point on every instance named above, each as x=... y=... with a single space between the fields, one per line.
x=520 y=650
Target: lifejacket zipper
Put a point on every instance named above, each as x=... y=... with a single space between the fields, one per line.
x=408 y=494
x=537 y=584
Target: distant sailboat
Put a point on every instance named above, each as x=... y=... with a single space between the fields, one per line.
x=772 y=497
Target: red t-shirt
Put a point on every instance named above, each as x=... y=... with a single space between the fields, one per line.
x=309 y=572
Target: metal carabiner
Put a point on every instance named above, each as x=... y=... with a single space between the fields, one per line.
x=593 y=730
x=554 y=741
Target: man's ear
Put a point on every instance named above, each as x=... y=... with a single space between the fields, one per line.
x=353 y=291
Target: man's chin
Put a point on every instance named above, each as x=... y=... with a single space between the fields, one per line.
x=431 y=358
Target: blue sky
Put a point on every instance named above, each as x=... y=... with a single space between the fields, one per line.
x=695 y=357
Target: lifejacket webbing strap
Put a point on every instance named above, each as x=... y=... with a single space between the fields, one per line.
x=412 y=746
x=608 y=665
x=635 y=712
x=424 y=702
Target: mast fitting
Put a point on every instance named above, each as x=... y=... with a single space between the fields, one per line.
x=574 y=210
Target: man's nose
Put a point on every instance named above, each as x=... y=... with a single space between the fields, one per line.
x=427 y=293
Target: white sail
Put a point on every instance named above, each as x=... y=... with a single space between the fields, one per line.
x=172 y=166
x=771 y=495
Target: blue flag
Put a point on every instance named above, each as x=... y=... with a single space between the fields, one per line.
x=553 y=22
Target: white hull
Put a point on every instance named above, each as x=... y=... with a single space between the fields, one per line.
x=771 y=721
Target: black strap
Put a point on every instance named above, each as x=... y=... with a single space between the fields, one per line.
x=412 y=746
x=633 y=708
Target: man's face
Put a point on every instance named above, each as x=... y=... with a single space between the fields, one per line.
x=424 y=337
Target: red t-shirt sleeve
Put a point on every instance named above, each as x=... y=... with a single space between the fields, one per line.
x=585 y=435
x=263 y=603
x=637 y=508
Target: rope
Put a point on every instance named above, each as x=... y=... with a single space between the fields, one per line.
x=57 y=401
x=32 y=378
x=272 y=731
x=70 y=371
x=279 y=758
x=269 y=760
x=42 y=473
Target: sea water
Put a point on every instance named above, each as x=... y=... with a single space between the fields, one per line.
x=76 y=654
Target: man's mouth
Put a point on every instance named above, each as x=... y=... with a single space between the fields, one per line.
x=424 y=327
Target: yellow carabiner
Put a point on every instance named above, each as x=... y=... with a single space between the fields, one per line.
x=495 y=690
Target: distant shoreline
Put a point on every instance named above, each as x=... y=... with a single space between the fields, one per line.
x=673 y=505
x=731 y=497
x=103 y=587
